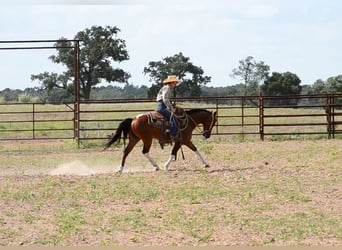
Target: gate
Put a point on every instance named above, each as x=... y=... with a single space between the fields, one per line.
x=34 y=115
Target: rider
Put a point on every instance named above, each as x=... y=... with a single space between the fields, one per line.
x=164 y=105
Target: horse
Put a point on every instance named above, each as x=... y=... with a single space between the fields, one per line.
x=140 y=128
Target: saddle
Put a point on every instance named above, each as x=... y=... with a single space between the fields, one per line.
x=157 y=119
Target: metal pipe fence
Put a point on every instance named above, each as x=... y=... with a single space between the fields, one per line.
x=31 y=121
x=261 y=117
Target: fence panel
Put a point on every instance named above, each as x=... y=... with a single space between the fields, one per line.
x=242 y=117
x=19 y=121
x=295 y=116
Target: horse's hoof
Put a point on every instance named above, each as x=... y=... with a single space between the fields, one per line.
x=207 y=166
x=156 y=169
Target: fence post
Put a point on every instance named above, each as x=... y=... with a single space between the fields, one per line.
x=77 y=92
x=328 y=116
x=242 y=111
x=33 y=122
x=332 y=114
x=217 y=113
x=261 y=117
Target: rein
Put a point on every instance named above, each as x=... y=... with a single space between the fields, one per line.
x=196 y=124
x=185 y=121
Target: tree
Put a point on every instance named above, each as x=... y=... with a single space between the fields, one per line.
x=319 y=87
x=251 y=73
x=99 y=48
x=332 y=85
x=281 y=84
x=191 y=76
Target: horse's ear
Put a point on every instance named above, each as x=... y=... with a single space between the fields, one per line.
x=215 y=114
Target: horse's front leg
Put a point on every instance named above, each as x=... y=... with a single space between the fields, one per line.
x=197 y=152
x=205 y=163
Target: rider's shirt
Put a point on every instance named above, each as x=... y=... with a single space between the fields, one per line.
x=164 y=95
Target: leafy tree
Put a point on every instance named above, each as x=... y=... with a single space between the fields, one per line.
x=27 y=98
x=114 y=92
x=191 y=76
x=281 y=84
x=251 y=73
x=332 y=85
x=319 y=87
x=99 y=48
x=10 y=95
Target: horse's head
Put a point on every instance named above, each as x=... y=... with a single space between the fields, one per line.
x=209 y=123
x=204 y=117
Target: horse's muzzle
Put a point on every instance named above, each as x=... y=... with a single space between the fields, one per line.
x=206 y=134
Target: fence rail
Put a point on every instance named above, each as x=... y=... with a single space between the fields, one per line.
x=254 y=116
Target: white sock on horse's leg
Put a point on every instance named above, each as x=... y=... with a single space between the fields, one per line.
x=120 y=169
x=167 y=164
x=155 y=165
x=202 y=159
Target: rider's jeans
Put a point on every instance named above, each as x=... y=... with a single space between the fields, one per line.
x=161 y=107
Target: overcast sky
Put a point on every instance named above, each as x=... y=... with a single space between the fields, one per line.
x=300 y=36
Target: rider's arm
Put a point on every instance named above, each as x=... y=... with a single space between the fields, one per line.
x=166 y=97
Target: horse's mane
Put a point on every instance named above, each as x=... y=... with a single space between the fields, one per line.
x=192 y=111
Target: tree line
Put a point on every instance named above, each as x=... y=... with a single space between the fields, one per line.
x=101 y=50
x=128 y=91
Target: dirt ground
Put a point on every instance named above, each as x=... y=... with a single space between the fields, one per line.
x=237 y=162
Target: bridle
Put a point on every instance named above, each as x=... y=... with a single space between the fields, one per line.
x=205 y=133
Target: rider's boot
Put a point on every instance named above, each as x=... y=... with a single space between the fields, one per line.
x=176 y=137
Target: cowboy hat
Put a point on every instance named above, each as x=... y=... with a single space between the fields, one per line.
x=171 y=79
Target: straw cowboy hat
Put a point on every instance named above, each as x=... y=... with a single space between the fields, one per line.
x=171 y=79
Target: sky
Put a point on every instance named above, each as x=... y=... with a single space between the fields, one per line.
x=300 y=36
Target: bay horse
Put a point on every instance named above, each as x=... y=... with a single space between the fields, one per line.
x=139 y=128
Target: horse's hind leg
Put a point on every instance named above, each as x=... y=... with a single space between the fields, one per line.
x=172 y=157
x=132 y=142
x=155 y=165
x=146 y=149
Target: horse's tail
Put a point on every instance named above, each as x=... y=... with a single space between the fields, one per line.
x=124 y=128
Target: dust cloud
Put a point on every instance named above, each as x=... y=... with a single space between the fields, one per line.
x=79 y=168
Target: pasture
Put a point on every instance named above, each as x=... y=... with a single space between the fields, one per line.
x=256 y=193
